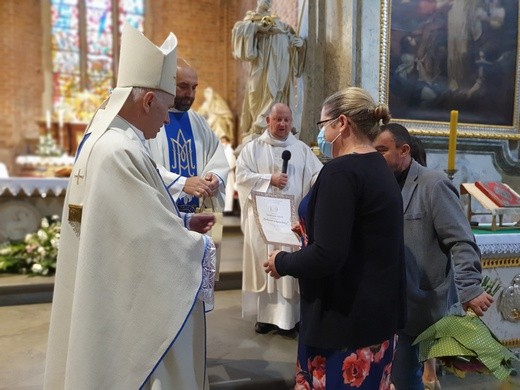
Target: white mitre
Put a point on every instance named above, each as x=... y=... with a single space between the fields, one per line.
x=141 y=64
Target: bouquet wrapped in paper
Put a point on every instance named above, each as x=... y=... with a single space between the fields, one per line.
x=465 y=344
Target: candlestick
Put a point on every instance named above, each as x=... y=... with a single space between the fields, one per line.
x=60 y=128
x=60 y=137
x=48 y=121
x=60 y=118
x=452 y=143
x=451 y=173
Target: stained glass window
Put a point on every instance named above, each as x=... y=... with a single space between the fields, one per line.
x=83 y=43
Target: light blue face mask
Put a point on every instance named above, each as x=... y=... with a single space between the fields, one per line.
x=324 y=145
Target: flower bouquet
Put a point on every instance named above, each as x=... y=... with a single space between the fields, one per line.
x=47 y=147
x=465 y=344
x=37 y=254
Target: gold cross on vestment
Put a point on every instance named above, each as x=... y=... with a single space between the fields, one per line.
x=78 y=176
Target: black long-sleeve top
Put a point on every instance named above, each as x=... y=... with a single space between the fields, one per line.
x=351 y=273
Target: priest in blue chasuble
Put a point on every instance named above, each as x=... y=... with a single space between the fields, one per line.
x=193 y=161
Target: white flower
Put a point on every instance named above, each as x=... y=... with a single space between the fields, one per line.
x=42 y=235
x=38 y=246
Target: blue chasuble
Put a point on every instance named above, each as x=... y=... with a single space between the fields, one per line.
x=183 y=157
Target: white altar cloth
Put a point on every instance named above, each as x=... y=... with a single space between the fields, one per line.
x=500 y=263
x=498 y=245
x=45 y=160
x=33 y=186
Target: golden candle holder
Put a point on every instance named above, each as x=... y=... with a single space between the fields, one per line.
x=451 y=173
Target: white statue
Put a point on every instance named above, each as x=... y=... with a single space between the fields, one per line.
x=276 y=55
x=217 y=114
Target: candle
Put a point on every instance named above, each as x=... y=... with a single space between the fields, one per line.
x=452 y=144
x=60 y=128
x=48 y=120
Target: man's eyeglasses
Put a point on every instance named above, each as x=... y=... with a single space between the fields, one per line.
x=321 y=124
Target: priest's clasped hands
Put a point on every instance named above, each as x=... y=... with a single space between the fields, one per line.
x=202 y=187
x=269 y=266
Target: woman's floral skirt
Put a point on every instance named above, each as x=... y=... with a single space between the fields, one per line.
x=366 y=368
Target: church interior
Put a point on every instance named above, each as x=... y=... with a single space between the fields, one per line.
x=49 y=92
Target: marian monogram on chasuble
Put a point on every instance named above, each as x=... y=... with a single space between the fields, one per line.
x=183 y=156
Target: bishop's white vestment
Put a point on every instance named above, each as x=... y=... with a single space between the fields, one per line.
x=274 y=301
x=177 y=152
x=126 y=310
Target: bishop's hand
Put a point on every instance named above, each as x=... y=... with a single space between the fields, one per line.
x=202 y=223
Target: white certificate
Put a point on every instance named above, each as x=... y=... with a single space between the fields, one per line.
x=274 y=216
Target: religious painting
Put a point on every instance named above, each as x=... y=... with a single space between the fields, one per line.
x=443 y=55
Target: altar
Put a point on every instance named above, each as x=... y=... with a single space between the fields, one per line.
x=24 y=201
x=44 y=166
x=501 y=263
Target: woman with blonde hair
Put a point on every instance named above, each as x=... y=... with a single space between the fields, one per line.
x=351 y=273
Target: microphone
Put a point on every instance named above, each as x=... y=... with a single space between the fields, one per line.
x=286 y=156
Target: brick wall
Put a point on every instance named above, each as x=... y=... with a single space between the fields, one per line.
x=203 y=28
x=21 y=81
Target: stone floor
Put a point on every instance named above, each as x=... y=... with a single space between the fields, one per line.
x=238 y=358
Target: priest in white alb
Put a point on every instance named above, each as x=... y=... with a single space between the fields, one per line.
x=259 y=168
x=132 y=282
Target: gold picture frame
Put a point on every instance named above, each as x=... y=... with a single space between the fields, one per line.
x=420 y=38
